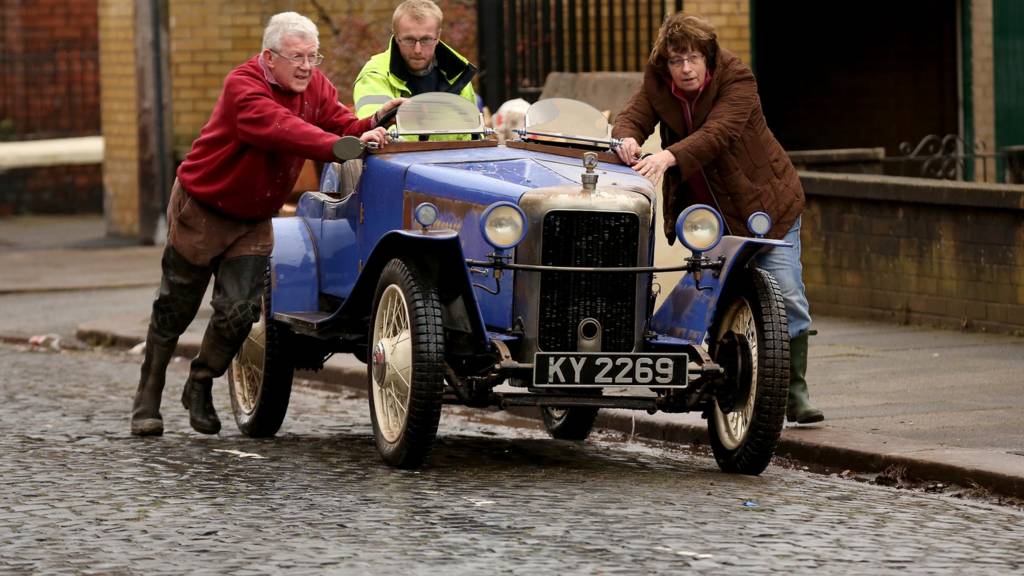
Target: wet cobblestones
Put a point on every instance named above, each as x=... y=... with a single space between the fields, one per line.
x=82 y=496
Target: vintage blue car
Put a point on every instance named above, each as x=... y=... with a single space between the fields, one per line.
x=517 y=274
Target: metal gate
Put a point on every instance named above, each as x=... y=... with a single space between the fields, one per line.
x=521 y=41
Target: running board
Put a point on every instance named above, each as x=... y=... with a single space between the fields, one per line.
x=303 y=322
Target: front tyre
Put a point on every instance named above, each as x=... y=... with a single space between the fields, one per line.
x=573 y=423
x=406 y=365
x=260 y=377
x=751 y=339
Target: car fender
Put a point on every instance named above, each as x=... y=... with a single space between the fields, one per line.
x=437 y=254
x=688 y=312
x=294 y=282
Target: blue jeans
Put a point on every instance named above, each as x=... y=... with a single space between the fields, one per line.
x=784 y=264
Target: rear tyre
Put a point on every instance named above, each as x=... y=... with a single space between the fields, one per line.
x=405 y=368
x=573 y=423
x=750 y=339
x=260 y=377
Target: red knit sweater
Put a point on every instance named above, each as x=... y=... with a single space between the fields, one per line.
x=248 y=156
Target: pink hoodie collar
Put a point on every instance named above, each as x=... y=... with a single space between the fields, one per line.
x=679 y=93
x=266 y=71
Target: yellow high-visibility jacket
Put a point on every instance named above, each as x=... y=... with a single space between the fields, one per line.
x=385 y=75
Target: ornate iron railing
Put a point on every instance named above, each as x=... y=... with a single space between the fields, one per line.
x=948 y=157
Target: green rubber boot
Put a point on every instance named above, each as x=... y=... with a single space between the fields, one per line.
x=798 y=405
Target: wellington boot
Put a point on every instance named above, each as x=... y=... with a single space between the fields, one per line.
x=798 y=405
x=197 y=398
x=146 y=419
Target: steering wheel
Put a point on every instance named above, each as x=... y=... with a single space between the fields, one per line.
x=388 y=117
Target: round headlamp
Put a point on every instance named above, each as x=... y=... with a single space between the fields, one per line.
x=503 y=225
x=759 y=223
x=699 y=227
x=425 y=214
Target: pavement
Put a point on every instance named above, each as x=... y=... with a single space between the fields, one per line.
x=905 y=402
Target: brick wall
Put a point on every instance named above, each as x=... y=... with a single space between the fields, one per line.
x=208 y=39
x=120 y=117
x=49 y=86
x=915 y=251
x=52 y=190
x=732 y=20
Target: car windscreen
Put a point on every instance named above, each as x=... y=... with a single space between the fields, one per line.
x=438 y=113
x=568 y=117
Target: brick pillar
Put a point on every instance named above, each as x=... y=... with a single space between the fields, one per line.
x=983 y=85
x=135 y=116
x=119 y=117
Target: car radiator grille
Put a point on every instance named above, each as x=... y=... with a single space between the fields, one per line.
x=606 y=239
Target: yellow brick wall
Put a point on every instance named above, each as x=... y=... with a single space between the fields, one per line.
x=209 y=38
x=732 y=20
x=119 y=114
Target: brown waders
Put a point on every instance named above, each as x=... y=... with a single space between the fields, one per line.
x=201 y=243
x=237 y=288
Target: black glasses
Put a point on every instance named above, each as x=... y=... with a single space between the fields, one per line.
x=314 y=60
x=426 y=41
x=691 y=59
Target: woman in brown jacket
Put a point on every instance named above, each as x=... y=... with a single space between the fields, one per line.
x=718 y=150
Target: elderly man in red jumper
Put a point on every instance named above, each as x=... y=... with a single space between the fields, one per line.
x=275 y=111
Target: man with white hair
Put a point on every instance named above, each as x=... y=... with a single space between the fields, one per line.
x=275 y=111
x=415 y=62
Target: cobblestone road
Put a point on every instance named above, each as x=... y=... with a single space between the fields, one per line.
x=82 y=496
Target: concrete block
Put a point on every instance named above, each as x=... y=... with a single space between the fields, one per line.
x=602 y=90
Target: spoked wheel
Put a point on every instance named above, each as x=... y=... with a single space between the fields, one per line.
x=260 y=377
x=406 y=365
x=573 y=423
x=751 y=341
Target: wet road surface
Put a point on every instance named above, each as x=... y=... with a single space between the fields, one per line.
x=81 y=495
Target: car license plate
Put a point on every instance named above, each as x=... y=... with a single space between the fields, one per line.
x=589 y=369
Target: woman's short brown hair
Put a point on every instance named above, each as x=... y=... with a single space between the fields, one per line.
x=681 y=33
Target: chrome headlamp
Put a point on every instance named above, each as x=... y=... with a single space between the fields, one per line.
x=425 y=215
x=699 y=228
x=503 y=225
x=759 y=224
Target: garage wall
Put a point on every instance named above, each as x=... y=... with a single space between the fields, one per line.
x=915 y=251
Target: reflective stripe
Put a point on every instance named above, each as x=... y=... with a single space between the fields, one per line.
x=372 y=99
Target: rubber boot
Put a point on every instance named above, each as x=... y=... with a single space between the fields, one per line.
x=182 y=285
x=146 y=419
x=236 y=295
x=197 y=398
x=798 y=405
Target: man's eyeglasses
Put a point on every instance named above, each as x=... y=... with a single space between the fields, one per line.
x=426 y=41
x=690 y=59
x=314 y=60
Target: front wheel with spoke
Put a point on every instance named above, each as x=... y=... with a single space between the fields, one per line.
x=260 y=377
x=750 y=340
x=406 y=365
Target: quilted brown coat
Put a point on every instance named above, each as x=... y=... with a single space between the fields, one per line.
x=745 y=166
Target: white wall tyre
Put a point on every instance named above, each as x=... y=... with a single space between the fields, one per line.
x=260 y=376
x=744 y=439
x=405 y=368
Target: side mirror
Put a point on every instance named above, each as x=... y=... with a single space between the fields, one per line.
x=348 y=148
